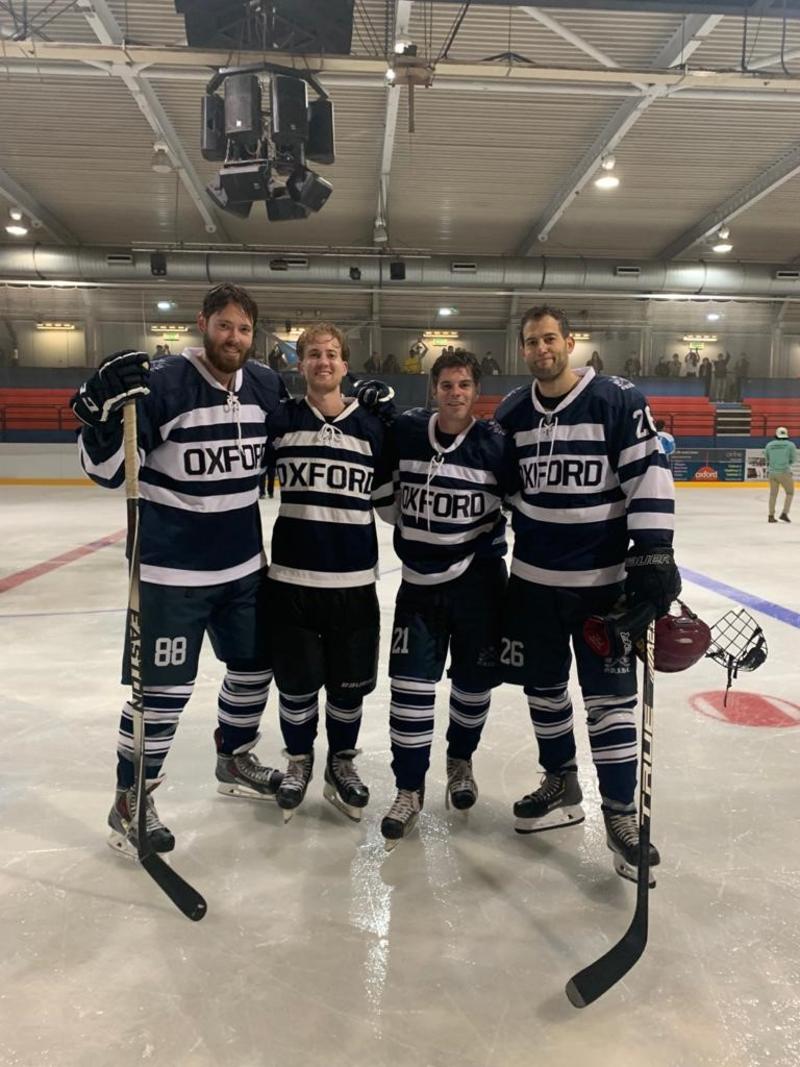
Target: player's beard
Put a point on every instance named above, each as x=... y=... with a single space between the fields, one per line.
x=555 y=370
x=226 y=358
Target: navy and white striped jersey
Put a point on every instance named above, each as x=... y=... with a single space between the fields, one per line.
x=324 y=535
x=593 y=478
x=444 y=500
x=201 y=451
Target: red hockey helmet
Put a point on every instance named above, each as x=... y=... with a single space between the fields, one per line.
x=681 y=640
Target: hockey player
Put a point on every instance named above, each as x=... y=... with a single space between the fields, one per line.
x=323 y=572
x=202 y=447
x=445 y=477
x=593 y=520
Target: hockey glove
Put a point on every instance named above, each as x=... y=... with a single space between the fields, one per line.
x=652 y=578
x=377 y=398
x=119 y=378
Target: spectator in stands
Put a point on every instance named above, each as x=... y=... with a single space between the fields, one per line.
x=675 y=366
x=373 y=364
x=705 y=371
x=662 y=368
x=159 y=352
x=489 y=364
x=633 y=366
x=595 y=362
x=412 y=363
x=720 y=368
x=741 y=372
x=390 y=365
x=780 y=454
x=691 y=359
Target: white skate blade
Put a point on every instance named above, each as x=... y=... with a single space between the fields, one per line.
x=553 y=820
x=288 y=814
x=352 y=813
x=391 y=843
x=241 y=792
x=123 y=846
x=629 y=872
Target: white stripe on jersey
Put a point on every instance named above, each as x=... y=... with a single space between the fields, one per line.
x=173 y=576
x=596 y=513
x=108 y=468
x=650 y=520
x=575 y=579
x=640 y=450
x=411 y=533
x=157 y=494
x=311 y=439
x=537 y=470
x=656 y=483
x=314 y=513
x=455 y=570
x=323 y=579
x=580 y=431
x=212 y=416
x=449 y=470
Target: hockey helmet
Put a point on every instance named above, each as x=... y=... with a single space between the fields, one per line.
x=782 y=432
x=681 y=640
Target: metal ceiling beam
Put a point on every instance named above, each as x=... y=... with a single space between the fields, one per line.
x=108 y=32
x=782 y=170
x=625 y=117
x=570 y=36
x=774 y=59
x=196 y=63
x=36 y=212
x=380 y=228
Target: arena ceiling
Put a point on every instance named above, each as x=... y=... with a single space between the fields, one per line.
x=698 y=110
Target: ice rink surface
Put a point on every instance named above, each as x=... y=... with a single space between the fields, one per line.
x=319 y=949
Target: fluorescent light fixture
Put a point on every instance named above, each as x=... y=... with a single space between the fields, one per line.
x=710 y=338
x=607 y=181
x=168 y=328
x=582 y=336
x=56 y=326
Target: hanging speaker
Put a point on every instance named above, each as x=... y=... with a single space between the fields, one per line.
x=320 y=145
x=289 y=110
x=243 y=107
x=397 y=271
x=212 y=137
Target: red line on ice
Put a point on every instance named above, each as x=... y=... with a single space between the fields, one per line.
x=13 y=580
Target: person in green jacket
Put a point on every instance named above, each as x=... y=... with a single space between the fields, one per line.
x=781 y=454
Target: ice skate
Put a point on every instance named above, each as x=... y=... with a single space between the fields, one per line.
x=622 y=837
x=462 y=789
x=243 y=775
x=343 y=787
x=292 y=789
x=557 y=802
x=122 y=820
x=401 y=818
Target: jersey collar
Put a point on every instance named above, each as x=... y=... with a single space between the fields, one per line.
x=437 y=445
x=585 y=375
x=195 y=357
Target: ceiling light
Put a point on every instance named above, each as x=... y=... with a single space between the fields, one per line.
x=608 y=162
x=15 y=214
x=712 y=316
x=16 y=229
x=165 y=305
x=161 y=163
x=607 y=181
x=446 y=312
x=724 y=232
x=721 y=247
x=390 y=75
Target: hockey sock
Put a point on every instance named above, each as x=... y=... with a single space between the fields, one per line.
x=299 y=716
x=162 y=706
x=411 y=730
x=342 y=720
x=468 y=713
x=551 y=714
x=241 y=704
x=612 y=736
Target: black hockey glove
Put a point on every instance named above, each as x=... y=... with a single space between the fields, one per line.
x=119 y=378
x=652 y=578
x=378 y=398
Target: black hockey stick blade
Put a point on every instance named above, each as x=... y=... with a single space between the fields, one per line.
x=590 y=983
x=185 y=897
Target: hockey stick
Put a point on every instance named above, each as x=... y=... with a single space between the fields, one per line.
x=186 y=898
x=590 y=983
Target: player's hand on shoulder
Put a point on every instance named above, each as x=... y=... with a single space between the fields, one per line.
x=120 y=378
x=378 y=398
